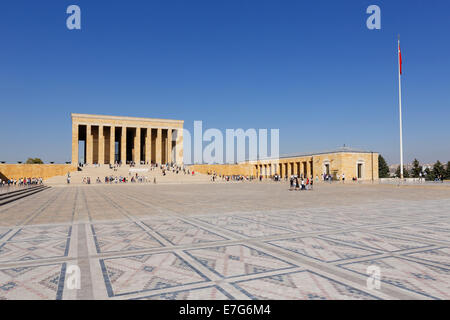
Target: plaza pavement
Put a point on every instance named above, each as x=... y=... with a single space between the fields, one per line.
x=226 y=241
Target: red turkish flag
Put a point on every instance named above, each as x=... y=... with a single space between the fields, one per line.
x=400 y=58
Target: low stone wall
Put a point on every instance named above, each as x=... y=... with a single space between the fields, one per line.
x=45 y=171
x=224 y=169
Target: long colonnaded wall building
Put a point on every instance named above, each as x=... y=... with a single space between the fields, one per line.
x=362 y=165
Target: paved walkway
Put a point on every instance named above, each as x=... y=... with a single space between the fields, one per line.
x=226 y=241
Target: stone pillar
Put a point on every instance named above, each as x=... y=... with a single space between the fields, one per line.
x=137 y=146
x=112 y=145
x=89 y=145
x=158 y=145
x=169 y=146
x=179 y=147
x=148 y=146
x=101 y=145
x=308 y=169
x=75 y=144
x=282 y=172
x=123 y=147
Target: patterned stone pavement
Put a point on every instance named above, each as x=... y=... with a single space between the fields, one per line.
x=226 y=241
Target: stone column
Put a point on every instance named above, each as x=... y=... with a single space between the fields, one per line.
x=179 y=147
x=308 y=169
x=137 y=146
x=123 y=147
x=112 y=145
x=148 y=146
x=169 y=146
x=101 y=145
x=158 y=145
x=75 y=144
x=89 y=145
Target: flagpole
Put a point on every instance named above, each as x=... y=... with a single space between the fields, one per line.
x=400 y=108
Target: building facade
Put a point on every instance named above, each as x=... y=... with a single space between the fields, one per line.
x=361 y=165
x=98 y=139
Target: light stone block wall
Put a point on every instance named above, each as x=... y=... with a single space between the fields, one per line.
x=339 y=163
x=45 y=171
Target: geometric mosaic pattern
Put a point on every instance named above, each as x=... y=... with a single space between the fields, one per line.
x=125 y=241
x=376 y=241
x=4 y=232
x=427 y=280
x=207 y=293
x=439 y=256
x=322 y=249
x=430 y=231
x=147 y=272
x=243 y=226
x=32 y=283
x=33 y=250
x=304 y=285
x=290 y=222
x=238 y=260
x=179 y=232
x=188 y=242
x=41 y=233
x=122 y=236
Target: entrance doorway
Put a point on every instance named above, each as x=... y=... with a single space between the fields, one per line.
x=360 y=167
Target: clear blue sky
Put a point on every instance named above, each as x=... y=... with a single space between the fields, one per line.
x=310 y=68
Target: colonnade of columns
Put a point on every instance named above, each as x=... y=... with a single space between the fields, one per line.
x=109 y=144
x=303 y=168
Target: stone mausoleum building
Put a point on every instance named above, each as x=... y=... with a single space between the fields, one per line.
x=112 y=139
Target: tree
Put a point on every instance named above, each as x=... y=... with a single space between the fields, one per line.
x=34 y=161
x=447 y=171
x=416 y=169
x=405 y=172
x=438 y=170
x=428 y=174
x=383 y=169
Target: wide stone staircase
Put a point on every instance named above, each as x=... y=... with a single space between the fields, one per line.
x=151 y=174
x=19 y=193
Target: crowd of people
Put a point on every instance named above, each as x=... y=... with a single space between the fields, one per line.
x=296 y=182
x=301 y=183
x=20 y=182
x=135 y=177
